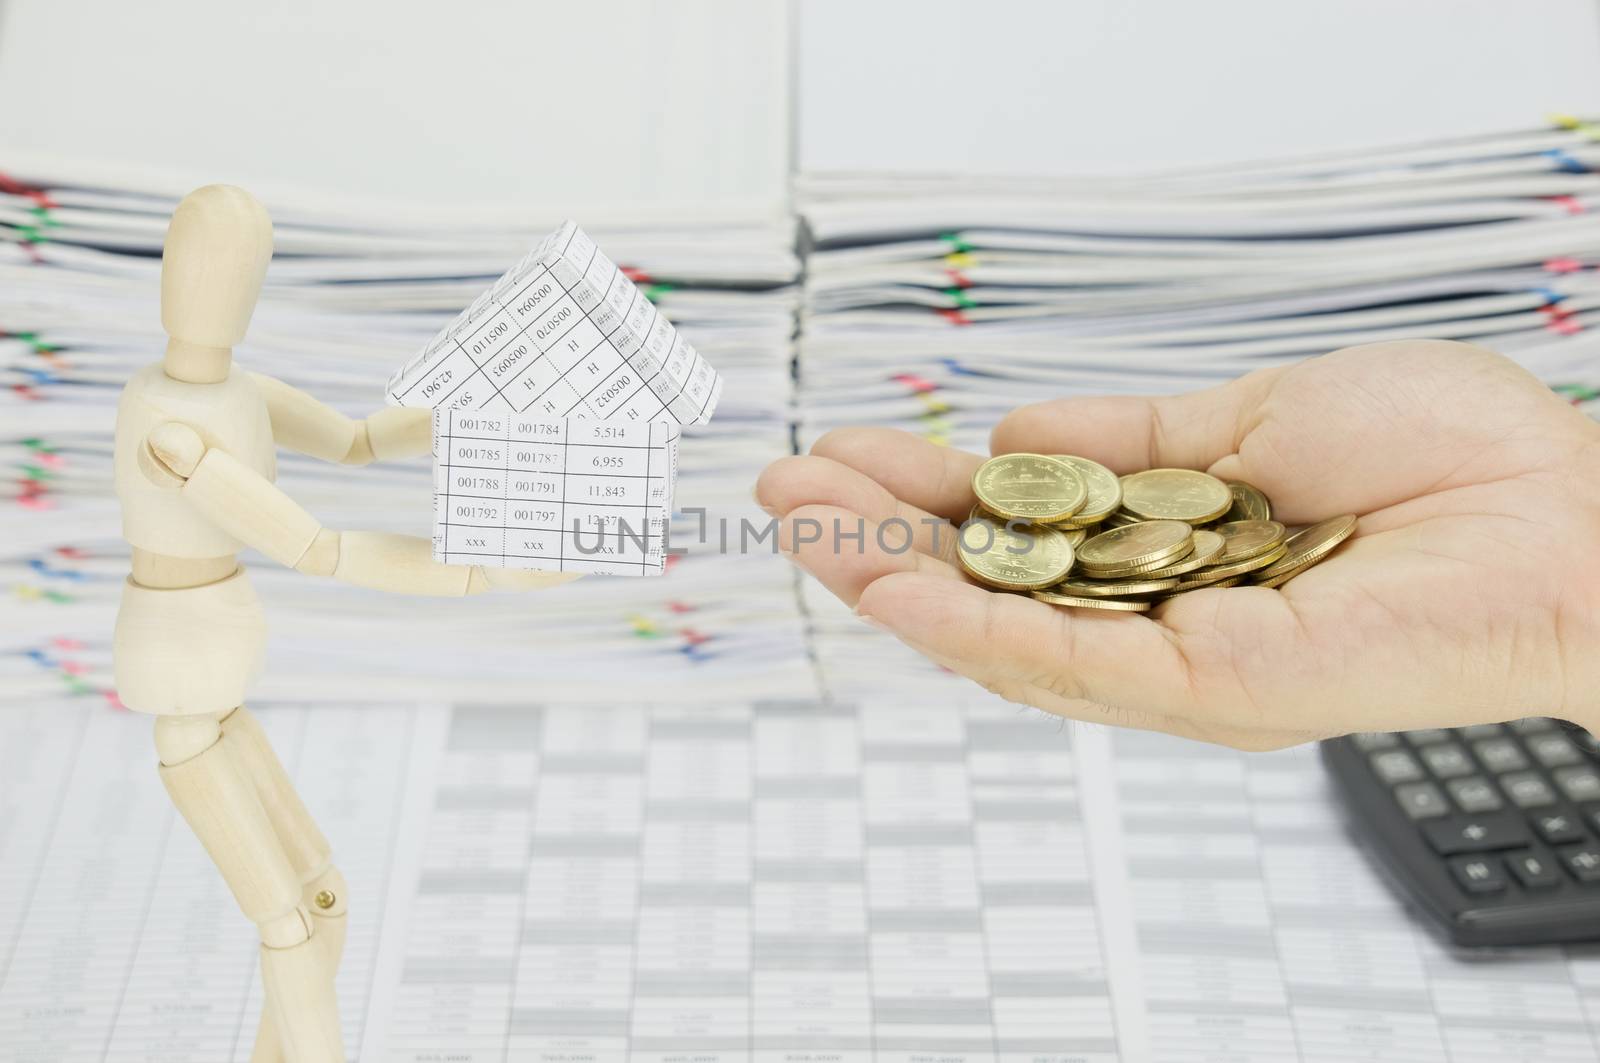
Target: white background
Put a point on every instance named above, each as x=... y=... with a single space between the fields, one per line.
x=644 y=106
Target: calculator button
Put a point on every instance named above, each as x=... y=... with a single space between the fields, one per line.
x=1370 y=740
x=1421 y=800
x=1478 y=874
x=1581 y=783
x=1396 y=765
x=1553 y=750
x=1476 y=794
x=1583 y=861
x=1558 y=828
x=1586 y=742
x=1528 y=789
x=1427 y=736
x=1479 y=731
x=1501 y=754
x=1532 y=725
x=1476 y=834
x=1535 y=872
x=1447 y=760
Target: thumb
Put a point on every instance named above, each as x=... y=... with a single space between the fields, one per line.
x=1129 y=433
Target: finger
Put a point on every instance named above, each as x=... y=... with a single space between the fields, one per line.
x=846 y=553
x=801 y=480
x=932 y=478
x=1127 y=434
x=1183 y=680
x=1113 y=659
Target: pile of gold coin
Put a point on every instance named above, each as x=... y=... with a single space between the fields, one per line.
x=1073 y=533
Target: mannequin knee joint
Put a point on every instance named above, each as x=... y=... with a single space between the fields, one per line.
x=326 y=895
x=287 y=930
x=181 y=738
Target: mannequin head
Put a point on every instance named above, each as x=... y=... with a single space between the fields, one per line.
x=218 y=244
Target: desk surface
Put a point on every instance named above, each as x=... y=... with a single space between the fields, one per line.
x=737 y=882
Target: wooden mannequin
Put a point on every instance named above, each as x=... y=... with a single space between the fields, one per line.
x=194 y=471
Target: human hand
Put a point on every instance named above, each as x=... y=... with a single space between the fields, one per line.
x=1470 y=592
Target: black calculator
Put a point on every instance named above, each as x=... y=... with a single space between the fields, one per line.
x=1493 y=831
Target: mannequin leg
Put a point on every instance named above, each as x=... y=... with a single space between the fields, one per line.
x=215 y=794
x=327 y=888
x=323 y=890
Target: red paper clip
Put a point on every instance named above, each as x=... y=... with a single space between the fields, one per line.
x=11 y=186
x=921 y=385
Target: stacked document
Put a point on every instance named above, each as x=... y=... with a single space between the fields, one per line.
x=932 y=303
x=348 y=299
x=937 y=304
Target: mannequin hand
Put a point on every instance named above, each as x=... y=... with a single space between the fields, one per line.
x=1470 y=592
x=514 y=579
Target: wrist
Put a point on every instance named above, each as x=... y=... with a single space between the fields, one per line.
x=360 y=452
x=1578 y=628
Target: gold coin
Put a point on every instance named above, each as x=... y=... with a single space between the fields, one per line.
x=1182 y=588
x=1119 y=605
x=1142 y=570
x=1121 y=519
x=1175 y=494
x=1231 y=581
x=1136 y=548
x=1248 y=538
x=1282 y=577
x=1310 y=545
x=1208 y=546
x=1239 y=568
x=1203 y=580
x=1013 y=559
x=1092 y=588
x=1029 y=487
x=1105 y=490
x=1075 y=536
x=1248 y=503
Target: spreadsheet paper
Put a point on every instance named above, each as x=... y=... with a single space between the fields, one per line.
x=563 y=333
x=777 y=881
x=570 y=495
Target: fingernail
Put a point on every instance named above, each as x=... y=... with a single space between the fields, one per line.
x=755 y=496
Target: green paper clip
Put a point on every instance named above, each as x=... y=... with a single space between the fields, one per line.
x=956 y=243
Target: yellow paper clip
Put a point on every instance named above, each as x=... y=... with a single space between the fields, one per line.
x=1576 y=125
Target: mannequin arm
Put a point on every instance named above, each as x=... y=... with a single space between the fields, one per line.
x=254 y=510
x=312 y=427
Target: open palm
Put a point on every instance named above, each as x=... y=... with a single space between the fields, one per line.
x=1469 y=594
